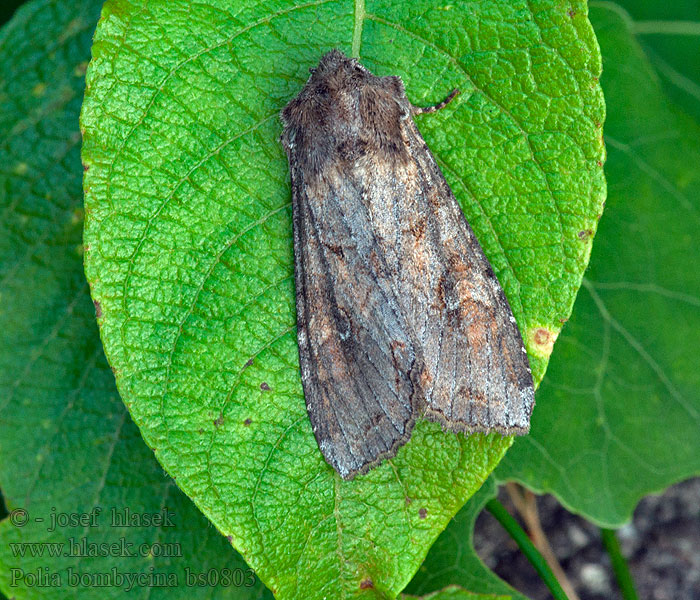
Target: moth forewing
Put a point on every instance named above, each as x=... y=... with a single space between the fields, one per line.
x=399 y=313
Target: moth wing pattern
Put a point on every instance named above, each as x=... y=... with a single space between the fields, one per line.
x=399 y=313
x=346 y=350
x=477 y=374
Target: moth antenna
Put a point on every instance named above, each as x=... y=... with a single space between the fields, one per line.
x=419 y=110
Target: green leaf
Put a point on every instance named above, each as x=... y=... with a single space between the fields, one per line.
x=189 y=248
x=66 y=440
x=618 y=415
x=453 y=560
x=669 y=33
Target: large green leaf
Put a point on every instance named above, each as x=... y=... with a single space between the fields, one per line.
x=189 y=248
x=66 y=441
x=618 y=414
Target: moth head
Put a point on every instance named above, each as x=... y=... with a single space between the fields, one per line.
x=329 y=86
x=335 y=88
x=344 y=112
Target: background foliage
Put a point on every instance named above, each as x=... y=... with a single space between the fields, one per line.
x=619 y=413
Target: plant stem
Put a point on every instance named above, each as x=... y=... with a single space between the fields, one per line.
x=527 y=547
x=619 y=564
x=525 y=503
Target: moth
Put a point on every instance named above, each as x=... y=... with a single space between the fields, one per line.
x=399 y=313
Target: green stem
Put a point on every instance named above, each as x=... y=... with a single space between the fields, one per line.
x=619 y=565
x=526 y=547
x=357 y=30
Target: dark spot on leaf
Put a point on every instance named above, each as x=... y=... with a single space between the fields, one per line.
x=248 y=363
x=230 y=539
x=86 y=167
x=219 y=421
x=541 y=336
x=98 y=308
x=247 y=422
x=585 y=234
x=599 y=163
x=422 y=513
x=201 y=430
x=408 y=500
x=571 y=12
x=366 y=584
x=264 y=387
